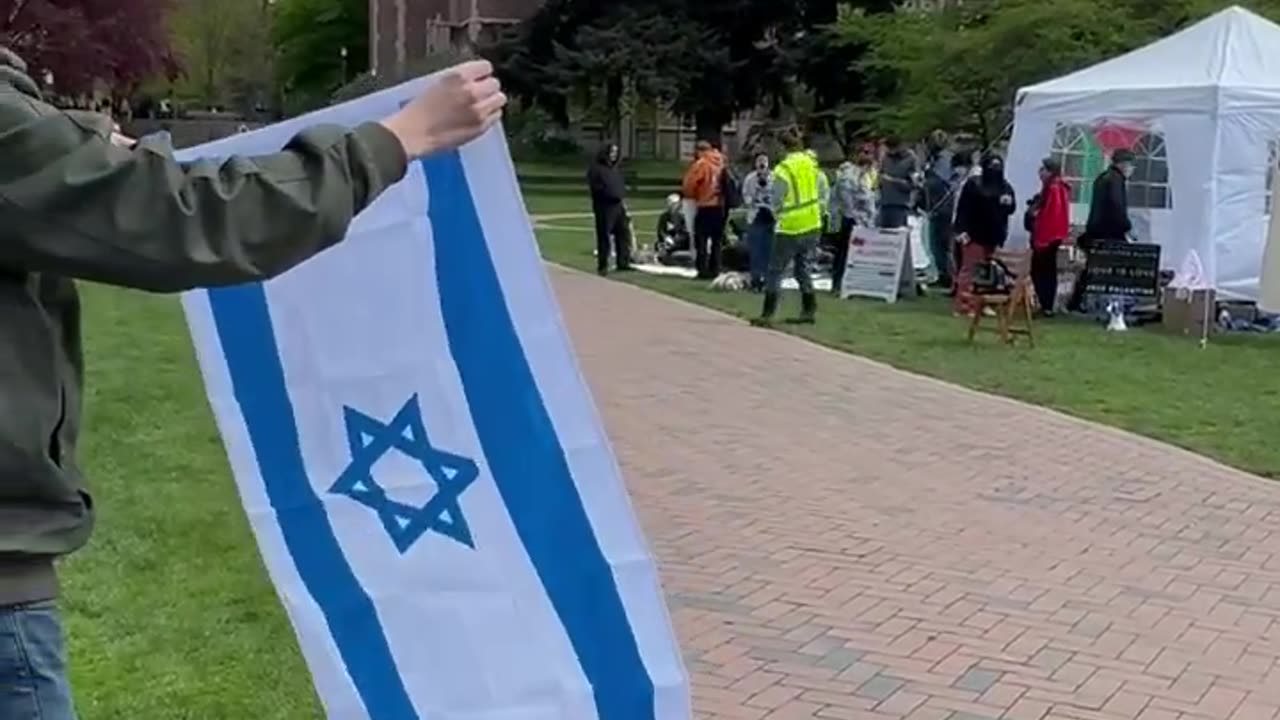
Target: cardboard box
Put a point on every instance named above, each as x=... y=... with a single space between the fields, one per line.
x=1184 y=313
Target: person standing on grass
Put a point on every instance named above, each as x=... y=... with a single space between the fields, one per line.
x=757 y=195
x=1108 y=215
x=982 y=224
x=854 y=199
x=800 y=196
x=1050 y=220
x=962 y=171
x=897 y=184
x=79 y=202
x=702 y=186
x=937 y=202
x=608 y=204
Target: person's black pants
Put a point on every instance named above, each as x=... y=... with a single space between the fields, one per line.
x=840 y=256
x=708 y=241
x=1044 y=275
x=613 y=231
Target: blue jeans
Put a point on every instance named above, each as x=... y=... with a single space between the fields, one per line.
x=33 y=664
x=759 y=240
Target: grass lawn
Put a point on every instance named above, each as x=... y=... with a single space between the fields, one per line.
x=643 y=168
x=1220 y=402
x=170 y=613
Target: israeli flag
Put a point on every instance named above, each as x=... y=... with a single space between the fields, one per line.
x=424 y=470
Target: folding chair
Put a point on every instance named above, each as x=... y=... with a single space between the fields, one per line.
x=1014 y=310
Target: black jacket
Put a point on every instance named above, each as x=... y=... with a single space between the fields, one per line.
x=605 y=180
x=1109 y=208
x=980 y=213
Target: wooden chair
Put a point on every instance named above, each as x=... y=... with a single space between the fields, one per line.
x=1014 y=309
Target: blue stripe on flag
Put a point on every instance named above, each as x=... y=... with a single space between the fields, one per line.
x=257 y=377
x=524 y=454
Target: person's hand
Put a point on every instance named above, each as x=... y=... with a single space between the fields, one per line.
x=119 y=139
x=463 y=102
x=963 y=238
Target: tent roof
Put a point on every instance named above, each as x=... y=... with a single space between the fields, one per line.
x=1232 y=48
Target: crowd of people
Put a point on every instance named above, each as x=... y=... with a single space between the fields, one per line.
x=792 y=213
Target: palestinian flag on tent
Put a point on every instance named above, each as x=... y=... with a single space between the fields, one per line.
x=1095 y=143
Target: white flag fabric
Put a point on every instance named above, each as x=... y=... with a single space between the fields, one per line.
x=424 y=470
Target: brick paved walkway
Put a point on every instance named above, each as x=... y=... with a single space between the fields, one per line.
x=836 y=543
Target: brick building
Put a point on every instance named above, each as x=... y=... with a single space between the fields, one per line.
x=403 y=30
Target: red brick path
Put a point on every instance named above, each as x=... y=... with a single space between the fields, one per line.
x=835 y=543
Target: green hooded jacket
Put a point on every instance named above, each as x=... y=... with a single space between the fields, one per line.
x=74 y=206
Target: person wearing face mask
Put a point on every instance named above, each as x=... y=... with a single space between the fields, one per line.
x=982 y=223
x=757 y=196
x=1108 y=214
x=608 y=204
x=1109 y=206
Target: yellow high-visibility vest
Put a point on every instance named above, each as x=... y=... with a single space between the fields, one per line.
x=801 y=212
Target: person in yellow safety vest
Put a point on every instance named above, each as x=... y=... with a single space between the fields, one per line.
x=800 y=200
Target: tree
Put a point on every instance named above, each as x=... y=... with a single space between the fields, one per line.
x=613 y=61
x=368 y=82
x=320 y=45
x=844 y=99
x=81 y=42
x=225 y=52
x=587 y=53
x=960 y=68
x=705 y=60
x=735 y=56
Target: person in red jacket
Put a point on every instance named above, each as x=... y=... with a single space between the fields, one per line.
x=1050 y=228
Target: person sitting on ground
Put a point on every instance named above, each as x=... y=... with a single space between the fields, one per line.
x=672 y=231
x=982 y=224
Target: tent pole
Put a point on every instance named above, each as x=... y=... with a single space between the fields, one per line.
x=1208 y=313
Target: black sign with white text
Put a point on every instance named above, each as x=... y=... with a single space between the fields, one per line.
x=1122 y=268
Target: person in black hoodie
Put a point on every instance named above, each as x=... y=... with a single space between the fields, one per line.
x=982 y=223
x=1108 y=215
x=608 y=196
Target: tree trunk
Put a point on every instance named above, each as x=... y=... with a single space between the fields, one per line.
x=710 y=125
x=613 y=109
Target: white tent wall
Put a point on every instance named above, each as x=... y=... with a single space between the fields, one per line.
x=1189 y=146
x=1212 y=92
x=1248 y=138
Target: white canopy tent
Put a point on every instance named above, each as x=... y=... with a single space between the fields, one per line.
x=1201 y=111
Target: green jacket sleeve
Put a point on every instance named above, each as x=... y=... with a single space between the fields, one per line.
x=74 y=204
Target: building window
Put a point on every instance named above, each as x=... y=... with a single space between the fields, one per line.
x=1084 y=151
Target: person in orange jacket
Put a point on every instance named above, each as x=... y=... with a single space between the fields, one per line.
x=702 y=186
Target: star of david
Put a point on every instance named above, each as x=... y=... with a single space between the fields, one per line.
x=370 y=439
